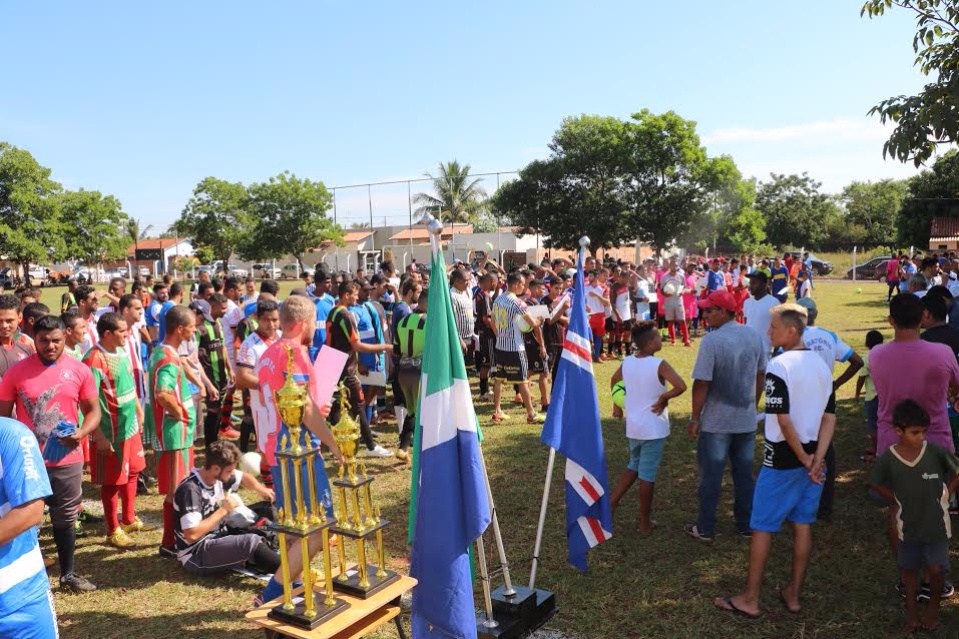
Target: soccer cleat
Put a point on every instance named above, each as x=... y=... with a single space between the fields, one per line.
x=76 y=583
x=78 y=529
x=228 y=433
x=402 y=455
x=378 y=451
x=87 y=517
x=167 y=553
x=119 y=539
x=135 y=526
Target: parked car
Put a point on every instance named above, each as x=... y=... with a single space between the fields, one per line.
x=236 y=271
x=819 y=267
x=109 y=275
x=290 y=272
x=872 y=269
x=266 y=272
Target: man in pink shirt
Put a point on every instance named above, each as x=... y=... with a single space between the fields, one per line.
x=49 y=389
x=892 y=276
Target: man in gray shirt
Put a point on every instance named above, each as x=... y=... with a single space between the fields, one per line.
x=728 y=379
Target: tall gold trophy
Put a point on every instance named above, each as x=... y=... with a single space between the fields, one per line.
x=356 y=517
x=302 y=514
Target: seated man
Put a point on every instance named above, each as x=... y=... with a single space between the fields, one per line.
x=201 y=504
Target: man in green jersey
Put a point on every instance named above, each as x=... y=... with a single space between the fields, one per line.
x=213 y=358
x=171 y=412
x=408 y=343
x=118 y=457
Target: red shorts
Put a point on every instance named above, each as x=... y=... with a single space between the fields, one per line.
x=172 y=468
x=112 y=469
x=597 y=324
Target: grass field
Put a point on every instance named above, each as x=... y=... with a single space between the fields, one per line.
x=662 y=585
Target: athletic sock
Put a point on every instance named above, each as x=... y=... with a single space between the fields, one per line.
x=483 y=385
x=66 y=541
x=128 y=496
x=672 y=332
x=272 y=591
x=685 y=331
x=108 y=497
x=168 y=537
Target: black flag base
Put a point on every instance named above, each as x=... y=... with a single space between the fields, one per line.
x=517 y=615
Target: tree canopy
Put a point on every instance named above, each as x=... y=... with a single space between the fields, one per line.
x=930 y=118
x=216 y=217
x=459 y=197
x=97 y=226
x=30 y=221
x=931 y=194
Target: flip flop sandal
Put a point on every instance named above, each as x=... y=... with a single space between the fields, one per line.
x=737 y=611
x=499 y=418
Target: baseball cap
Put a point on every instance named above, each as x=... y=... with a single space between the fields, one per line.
x=758 y=274
x=203 y=308
x=807 y=303
x=719 y=299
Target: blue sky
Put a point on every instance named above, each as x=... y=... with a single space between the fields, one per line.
x=142 y=100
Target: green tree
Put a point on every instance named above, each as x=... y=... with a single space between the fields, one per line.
x=98 y=226
x=929 y=119
x=933 y=193
x=290 y=216
x=458 y=198
x=577 y=191
x=795 y=209
x=203 y=253
x=874 y=206
x=216 y=216
x=31 y=229
x=745 y=231
x=669 y=182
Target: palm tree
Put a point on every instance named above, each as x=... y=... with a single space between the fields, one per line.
x=136 y=232
x=459 y=198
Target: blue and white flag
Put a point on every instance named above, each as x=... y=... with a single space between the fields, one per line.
x=453 y=506
x=573 y=428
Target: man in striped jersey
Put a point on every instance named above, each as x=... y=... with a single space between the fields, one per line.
x=119 y=458
x=408 y=344
x=213 y=359
x=510 y=354
x=172 y=414
x=462 y=310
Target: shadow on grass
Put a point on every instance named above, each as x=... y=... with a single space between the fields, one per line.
x=115 y=625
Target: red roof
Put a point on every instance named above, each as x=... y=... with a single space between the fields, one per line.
x=422 y=233
x=155 y=243
x=944 y=227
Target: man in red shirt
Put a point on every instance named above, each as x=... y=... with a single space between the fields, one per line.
x=14 y=346
x=50 y=390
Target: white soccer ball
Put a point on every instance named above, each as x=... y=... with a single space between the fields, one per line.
x=250 y=463
x=522 y=324
x=672 y=288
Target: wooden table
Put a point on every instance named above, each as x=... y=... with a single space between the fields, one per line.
x=361 y=618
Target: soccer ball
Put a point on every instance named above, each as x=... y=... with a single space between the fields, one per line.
x=250 y=463
x=619 y=394
x=672 y=288
x=857 y=291
x=522 y=324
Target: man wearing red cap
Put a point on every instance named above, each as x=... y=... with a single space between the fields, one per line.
x=729 y=376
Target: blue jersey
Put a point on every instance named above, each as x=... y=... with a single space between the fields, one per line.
x=324 y=305
x=23 y=578
x=715 y=281
x=161 y=319
x=371 y=332
x=153 y=313
x=779 y=280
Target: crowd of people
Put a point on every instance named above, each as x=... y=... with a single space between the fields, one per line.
x=125 y=384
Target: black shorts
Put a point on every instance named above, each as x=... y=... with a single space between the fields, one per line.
x=484 y=356
x=536 y=363
x=511 y=365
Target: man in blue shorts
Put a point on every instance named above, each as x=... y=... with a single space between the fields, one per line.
x=26 y=604
x=800 y=421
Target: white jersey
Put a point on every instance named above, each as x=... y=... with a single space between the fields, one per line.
x=758 y=317
x=234 y=315
x=248 y=356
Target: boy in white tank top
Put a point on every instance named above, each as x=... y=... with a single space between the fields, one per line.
x=647 y=421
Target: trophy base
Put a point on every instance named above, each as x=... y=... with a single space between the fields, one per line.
x=517 y=615
x=295 y=617
x=352 y=585
x=295 y=531
x=346 y=482
x=365 y=533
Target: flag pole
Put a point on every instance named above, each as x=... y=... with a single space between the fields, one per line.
x=488 y=622
x=497 y=535
x=542 y=518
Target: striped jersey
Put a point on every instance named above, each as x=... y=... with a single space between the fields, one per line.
x=410 y=338
x=23 y=579
x=118 y=396
x=212 y=352
x=506 y=309
x=166 y=375
x=462 y=313
x=133 y=348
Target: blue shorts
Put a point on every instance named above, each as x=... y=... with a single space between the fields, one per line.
x=872 y=415
x=781 y=495
x=35 y=620
x=913 y=555
x=644 y=457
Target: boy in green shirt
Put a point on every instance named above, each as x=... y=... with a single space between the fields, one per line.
x=913 y=474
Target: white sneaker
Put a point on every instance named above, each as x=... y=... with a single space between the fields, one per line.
x=378 y=451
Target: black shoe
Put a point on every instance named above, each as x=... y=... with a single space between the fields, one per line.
x=745 y=534
x=76 y=583
x=89 y=518
x=948 y=591
x=142 y=487
x=167 y=553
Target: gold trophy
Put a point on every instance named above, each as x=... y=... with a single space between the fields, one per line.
x=303 y=514
x=356 y=516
